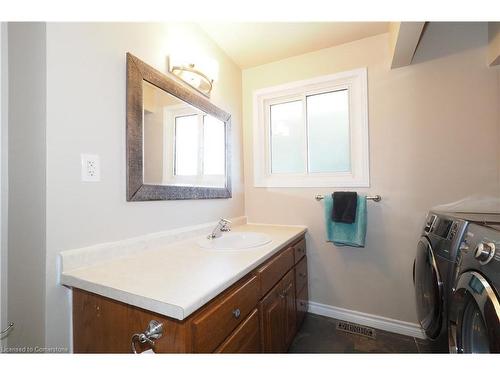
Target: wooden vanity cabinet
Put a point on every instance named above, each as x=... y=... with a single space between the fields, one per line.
x=104 y=325
x=277 y=311
x=274 y=269
x=245 y=338
x=302 y=306
x=272 y=314
x=259 y=313
x=290 y=308
x=301 y=286
x=220 y=318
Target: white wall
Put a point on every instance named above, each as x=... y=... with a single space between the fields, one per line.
x=26 y=212
x=86 y=113
x=433 y=139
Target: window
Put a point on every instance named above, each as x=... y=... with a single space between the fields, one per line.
x=186 y=145
x=197 y=145
x=313 y=133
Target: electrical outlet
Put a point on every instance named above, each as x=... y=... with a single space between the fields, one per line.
x=91 y=168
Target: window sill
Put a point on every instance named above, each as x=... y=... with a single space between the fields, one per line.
x=312 y=181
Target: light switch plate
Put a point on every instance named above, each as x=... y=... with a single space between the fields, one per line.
x=91 y=168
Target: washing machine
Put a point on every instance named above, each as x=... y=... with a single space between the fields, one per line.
x=474 y=312
x=433 y=271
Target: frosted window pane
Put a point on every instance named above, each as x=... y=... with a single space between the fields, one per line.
x=328 y=132
x=214 y=148
x=186 y=145
x=287 y=138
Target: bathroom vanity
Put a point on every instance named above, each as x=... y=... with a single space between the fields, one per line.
x=241 y=301
x=181 y=292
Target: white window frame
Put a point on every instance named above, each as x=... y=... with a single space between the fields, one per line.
x=170 y=114
x=355 y=81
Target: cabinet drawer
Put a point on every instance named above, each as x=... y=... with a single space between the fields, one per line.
x=299 y=250
x=274 y=270
x=302 y=305
x=301 y=274
x=246 y=337
x=214 y=324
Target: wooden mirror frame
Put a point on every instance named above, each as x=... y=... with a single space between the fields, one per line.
x=137 y=72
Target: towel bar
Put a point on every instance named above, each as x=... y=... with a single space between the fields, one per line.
x=375 y=198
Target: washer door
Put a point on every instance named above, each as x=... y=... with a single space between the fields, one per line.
x=428 y=290
x=475 y=316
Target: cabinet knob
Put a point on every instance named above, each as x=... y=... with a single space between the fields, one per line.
x=236 y=313
x=302 y=274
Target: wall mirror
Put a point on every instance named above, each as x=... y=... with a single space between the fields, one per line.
x=177 y=140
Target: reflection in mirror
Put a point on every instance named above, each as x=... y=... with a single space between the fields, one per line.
x=183 y=146
x=177 y=141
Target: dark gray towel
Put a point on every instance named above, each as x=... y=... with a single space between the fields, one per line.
x=344 y=206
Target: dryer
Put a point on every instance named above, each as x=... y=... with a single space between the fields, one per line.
x=474 y=316
x=432 y=274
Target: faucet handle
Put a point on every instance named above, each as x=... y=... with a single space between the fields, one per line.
x=225 y=225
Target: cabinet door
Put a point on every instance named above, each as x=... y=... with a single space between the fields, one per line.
x=272 y=309
x=289 y=308
x=245 y=338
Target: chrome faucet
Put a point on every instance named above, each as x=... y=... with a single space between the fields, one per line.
x=223 y=225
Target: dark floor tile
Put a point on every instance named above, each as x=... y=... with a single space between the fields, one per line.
x=319 y=334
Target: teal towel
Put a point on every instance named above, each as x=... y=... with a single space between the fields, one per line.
x=342 y=234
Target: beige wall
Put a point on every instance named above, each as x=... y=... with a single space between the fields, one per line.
x=27 y=209
x=4 y=102
x=153 y=146
x=433 y=139
x=86 y=113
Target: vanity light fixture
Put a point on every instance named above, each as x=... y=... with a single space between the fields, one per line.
x=194 y=78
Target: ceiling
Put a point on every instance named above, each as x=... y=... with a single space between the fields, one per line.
x=252 y=44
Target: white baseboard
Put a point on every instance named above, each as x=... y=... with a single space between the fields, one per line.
x=374 y=321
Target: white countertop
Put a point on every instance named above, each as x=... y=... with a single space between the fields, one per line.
x=178 y=278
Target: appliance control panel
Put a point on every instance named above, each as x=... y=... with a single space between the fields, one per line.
x=429 y=223
x=453 y=231
x=482 y=245
x=444 y=228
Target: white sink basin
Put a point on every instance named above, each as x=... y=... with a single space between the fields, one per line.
x=235 y=241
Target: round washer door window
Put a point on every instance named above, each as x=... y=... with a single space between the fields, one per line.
x=474 y=334
x=428 y=289
x=474 y=325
